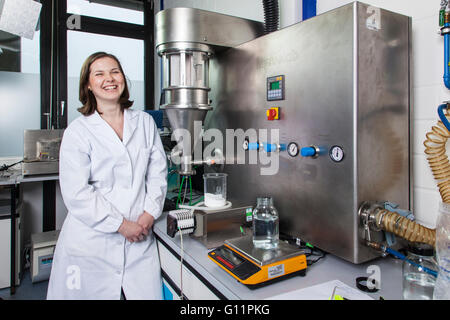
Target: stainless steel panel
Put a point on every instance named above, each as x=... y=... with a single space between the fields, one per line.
x=41 y=167
x=36 y=140
x=383 y=112
x=214 y=227
x=345 y=85
x=194 y=27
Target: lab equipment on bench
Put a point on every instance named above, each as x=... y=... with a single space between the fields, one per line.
x=42 y=249
x=210 y=227
x=41 y=151
x=316 y=119
x=181 y=220
x=256 y=267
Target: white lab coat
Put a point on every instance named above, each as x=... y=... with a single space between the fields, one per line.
x=104 y=180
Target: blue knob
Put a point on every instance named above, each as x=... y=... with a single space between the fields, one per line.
x=270 y=147
x=253 y=146
x=308 y=151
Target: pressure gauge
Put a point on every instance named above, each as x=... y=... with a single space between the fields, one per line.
x=336 y=153
x=245 y=145
x=292 y=149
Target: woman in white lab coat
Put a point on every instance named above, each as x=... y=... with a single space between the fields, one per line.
x=113 y=181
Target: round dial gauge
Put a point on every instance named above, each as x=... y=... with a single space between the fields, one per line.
x=245 y=144
x=336 y=153
x=292 y=149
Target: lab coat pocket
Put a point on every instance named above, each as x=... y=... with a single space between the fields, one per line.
x=83 y=241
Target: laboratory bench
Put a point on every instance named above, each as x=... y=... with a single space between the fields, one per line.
x=12 y=181
x=204 y=280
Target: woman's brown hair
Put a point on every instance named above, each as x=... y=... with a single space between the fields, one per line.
x=86 y=97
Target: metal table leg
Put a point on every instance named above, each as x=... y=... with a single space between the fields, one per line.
x=13 y=238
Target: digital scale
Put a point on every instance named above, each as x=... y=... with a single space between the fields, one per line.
x=257 y=267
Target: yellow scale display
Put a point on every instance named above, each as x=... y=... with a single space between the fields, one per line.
x=257 y=267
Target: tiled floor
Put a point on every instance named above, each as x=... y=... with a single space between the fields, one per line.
x=26 y=290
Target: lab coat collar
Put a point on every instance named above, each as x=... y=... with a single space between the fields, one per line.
x=95 y=118
x=129 y=124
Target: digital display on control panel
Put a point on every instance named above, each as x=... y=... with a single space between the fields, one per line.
x=275 y=88
x=275 y=85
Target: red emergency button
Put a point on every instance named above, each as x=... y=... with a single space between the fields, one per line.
x=273 y=113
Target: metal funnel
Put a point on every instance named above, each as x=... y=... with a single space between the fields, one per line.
x=182 y=121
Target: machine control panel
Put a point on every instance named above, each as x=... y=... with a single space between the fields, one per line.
x=275 y=88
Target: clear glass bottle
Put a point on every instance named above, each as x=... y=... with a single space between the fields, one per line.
x=418 y=284
x=265 y=224
x=442 y=287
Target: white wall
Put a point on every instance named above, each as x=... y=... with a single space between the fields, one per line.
x=428 y=90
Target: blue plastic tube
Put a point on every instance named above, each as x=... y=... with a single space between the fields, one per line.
x=402 y=257
x=442 y=116
x=447 y=57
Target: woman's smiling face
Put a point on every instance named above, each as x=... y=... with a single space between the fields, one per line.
x=106 y=81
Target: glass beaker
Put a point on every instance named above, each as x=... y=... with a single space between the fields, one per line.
x=265 y=224
x=215 y=187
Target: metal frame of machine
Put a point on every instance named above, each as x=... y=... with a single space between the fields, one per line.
x=345 y=107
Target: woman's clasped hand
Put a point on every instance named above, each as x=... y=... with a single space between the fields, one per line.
x=137 y=231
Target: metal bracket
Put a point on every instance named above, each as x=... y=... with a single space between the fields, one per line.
x=367 y=214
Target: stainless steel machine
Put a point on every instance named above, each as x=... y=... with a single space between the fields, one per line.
x=41 y=151
x=186 y=40
x=324 y=104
